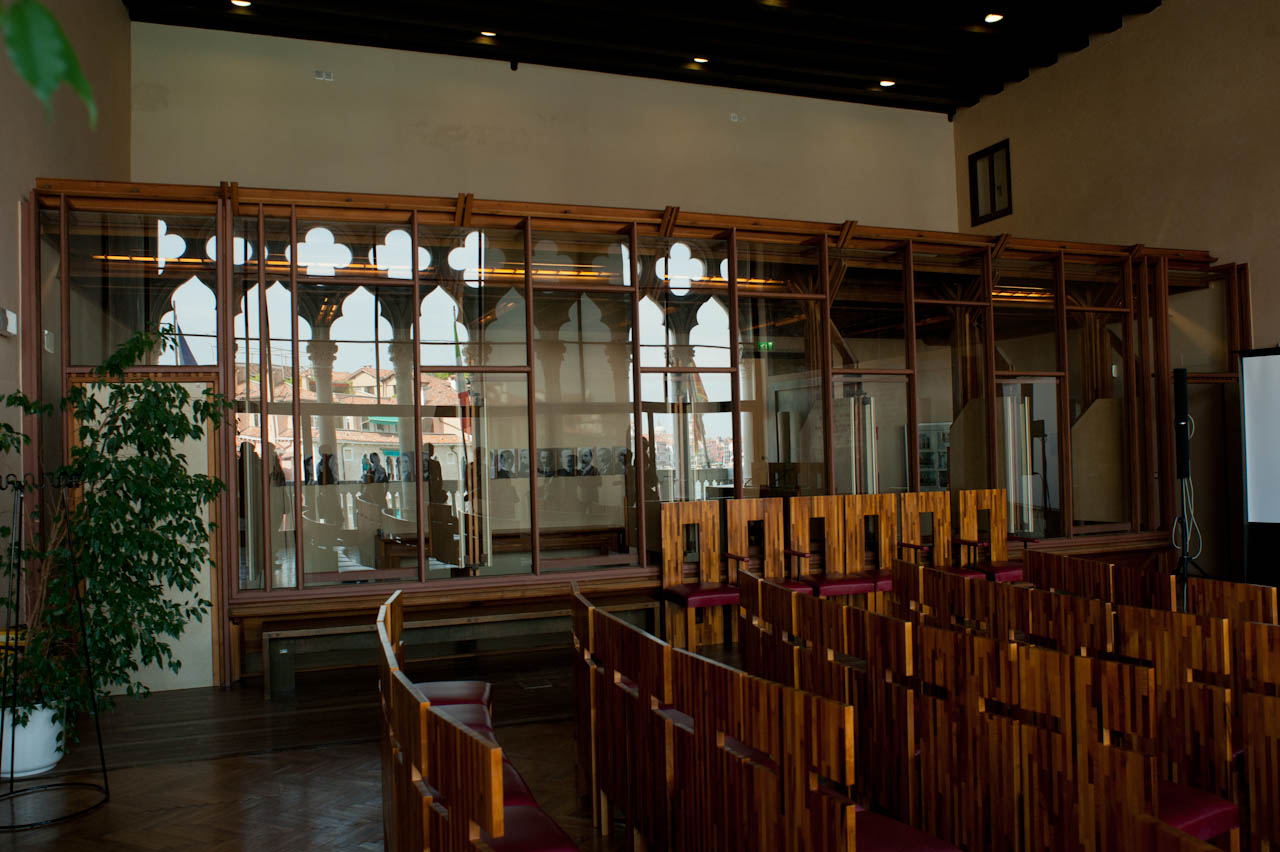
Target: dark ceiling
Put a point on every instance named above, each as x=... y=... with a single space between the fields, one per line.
x=940 y=55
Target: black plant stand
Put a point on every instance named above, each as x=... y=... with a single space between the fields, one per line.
x=15 y=646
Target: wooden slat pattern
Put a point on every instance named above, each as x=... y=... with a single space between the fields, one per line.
x=912 y=507
x=705 y=516
x=1260 y=714
x=1236 y=601
x=995 y=501
x=769 y=511
x=830 y=511
x=859 y=507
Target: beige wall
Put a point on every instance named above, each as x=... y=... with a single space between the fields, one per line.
x=1162 y=133
x=60 y=146
x=211 y=106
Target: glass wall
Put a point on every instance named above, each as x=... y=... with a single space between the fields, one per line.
x=419 y=402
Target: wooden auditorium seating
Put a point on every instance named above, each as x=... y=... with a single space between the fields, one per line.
x=1102 y=726
x=714 y=587
x=990 y=555
x=1239 y=602
x=445 y=784
x=828 y=551
x=861 y=559
x=932 y=548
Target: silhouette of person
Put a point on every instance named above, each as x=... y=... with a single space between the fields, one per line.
x=435 y=477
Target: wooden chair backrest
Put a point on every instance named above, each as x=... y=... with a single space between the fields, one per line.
x=395 y=623
x=1237 y=601
x=992 y=698
x=885 y=687
x=1146 y=584
x=1115 y=718
x=411 y=798
x=1260 y=713
x=818 y=754
x=705 y=516
x=994 y=501
x=739 y=514
x=1047 y=752
x=859 y=507
x=626 y=650
x=1088 y=578
x=908 y=581
x=1191 y=655
x=947 y=597
x=830 y=510
x=1069 y=623
x=778 y=608
x=944 y=733
x=912 y=506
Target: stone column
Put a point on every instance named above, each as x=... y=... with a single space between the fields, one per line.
x=322 y=353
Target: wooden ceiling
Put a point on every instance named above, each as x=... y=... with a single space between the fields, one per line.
x=940 y=55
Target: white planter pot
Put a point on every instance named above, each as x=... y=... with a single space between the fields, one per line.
x=34 y=745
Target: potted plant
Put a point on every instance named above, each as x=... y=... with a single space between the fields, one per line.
x=131 y=538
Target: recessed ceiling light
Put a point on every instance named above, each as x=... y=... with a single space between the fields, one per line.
x=487 y=33
x=701 y=60
x=994 y=18
x=887 y=83
x=241 y=3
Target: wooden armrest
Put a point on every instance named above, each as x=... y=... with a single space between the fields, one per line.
x=789 y=552
x=1025 y=538
x=736 y=557
x=914 y=546
x=972 y=542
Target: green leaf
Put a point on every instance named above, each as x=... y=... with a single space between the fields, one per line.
x=41 y=53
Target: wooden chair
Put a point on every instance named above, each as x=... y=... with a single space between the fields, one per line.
x=769 y=513
x=1115 y=719
x=712 y=590
x=989 y=555
x=946 y=786
x=1146 y=584
x=946 y=597
x=1236 y=601
x=1191 y=656
x=1260 y=684
x=1056 y=572
x=933 y=550
x=992 y=697
x=441 y=693
x=586 y=677
x=1046 y=751
x=884 y=509
x=803 y=550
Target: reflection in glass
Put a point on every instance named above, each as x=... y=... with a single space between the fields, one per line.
x=1027 y=464
x=586 y=259
x=869 y=416
x=1099 y=464
x=359 y=463
x=1198 y=334
x=130 y=271
x=948 y=277
x=586 y=482
x=780 y=384
x=952 y=410
x=1093 y=285
x=777 y=268
x=473 y=308
x=688 y=435
x=868 y=312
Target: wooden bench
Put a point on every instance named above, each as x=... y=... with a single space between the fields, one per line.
x=446 y=784
x=605 y=539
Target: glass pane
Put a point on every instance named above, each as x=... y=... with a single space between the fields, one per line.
x=982 y=180
x=586 y=483
x=777 y=268
x=282 y=451
x=1100 y=460
x=687 y=437
x=134 y=271
x=1198 y=335
x=1026 y=339
x=360 y=513
x=869 y=416
x=1027 y=465
x=952 y=409
x=949 y=277
x=1094 y=285
x=473 y=308
x=868 y=311
x=51 y=375
x=476 y=430
x=1000 y=171
x=248 y=477
x=690 y=331
x=581 y=259
x=358 y=252
x=780 y=382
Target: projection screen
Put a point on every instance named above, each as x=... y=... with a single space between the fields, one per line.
x=1260 y=398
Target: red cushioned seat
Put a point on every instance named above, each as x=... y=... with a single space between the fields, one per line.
x=527 y=829
x=849 y=584
x=877 y=833
x=698 y=595
x=515 y=792
x=798 y=586
x=1002 y=572
x=884 y=581
x=444 y=692
x=1196 y=812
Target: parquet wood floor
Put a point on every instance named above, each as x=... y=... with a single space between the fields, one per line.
x=226 y=770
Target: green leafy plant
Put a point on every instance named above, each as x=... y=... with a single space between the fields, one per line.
x=132 y=537
x=42 y=54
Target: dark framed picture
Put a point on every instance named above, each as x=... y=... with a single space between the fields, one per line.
x=506 y=466
x=605 y=461
x=566 y=462
x=546 y=462
x=522 y=462
x=587 y=461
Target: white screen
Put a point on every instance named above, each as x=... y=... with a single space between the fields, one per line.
x=1260 y=388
